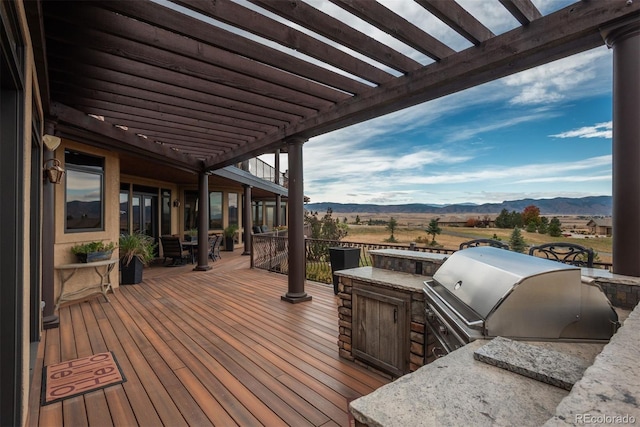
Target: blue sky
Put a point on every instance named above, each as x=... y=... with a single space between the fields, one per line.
x=542 y=133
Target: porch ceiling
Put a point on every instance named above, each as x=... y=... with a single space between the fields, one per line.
x=205 y=94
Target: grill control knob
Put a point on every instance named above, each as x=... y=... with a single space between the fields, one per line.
x=430 y=314
x=443 y=330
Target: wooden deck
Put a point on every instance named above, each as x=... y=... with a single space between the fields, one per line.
x=206 y=348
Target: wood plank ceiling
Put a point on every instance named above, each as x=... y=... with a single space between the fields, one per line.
x=201 y=96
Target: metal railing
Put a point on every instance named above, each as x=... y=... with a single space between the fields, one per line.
x=263 y=170
x=270 y=252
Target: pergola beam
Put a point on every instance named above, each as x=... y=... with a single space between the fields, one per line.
x=528 y=47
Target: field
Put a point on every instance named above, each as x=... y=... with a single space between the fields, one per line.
x=411 y=228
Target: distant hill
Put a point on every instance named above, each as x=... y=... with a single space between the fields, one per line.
x=588 y=206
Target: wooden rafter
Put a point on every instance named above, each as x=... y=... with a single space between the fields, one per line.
x=334 y=29
x=378 y=15
x=452 y=14
x=523 y=10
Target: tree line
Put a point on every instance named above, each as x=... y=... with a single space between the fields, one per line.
x=530 y=220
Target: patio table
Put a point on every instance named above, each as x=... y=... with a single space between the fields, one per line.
x=67 y=271
x=191 y=245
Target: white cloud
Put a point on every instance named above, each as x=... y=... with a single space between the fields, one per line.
x=515 y=174
x=563 y=79
x=599 y=130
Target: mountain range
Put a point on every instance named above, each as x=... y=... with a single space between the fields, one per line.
x=588 y=206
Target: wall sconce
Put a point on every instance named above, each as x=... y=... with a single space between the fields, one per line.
x=176 y=203
x=54 y=172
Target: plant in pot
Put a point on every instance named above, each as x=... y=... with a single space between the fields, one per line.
x=93 y=251
x=136 y=251
x=229 y=236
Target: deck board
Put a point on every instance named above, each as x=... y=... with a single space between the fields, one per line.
x=217 y=347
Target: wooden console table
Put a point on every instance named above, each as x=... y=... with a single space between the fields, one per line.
x=67 y=271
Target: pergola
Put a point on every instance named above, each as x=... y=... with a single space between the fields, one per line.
x=200 y=85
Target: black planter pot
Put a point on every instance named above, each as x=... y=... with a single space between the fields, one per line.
x=132 y=273
x=342 y=258
x=228 y=244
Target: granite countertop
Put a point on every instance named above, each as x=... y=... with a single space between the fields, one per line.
x=386 y=278
x=407 y=254
x=459 y=390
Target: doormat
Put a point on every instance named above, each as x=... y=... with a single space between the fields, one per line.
x=75 y=377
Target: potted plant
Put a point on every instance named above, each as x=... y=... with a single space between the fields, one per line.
x=93 y=251
x=136 y=251
x=229 y=236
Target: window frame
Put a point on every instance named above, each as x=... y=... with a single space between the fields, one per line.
x=92 y=170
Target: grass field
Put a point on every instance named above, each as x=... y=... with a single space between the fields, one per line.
x=451 y=237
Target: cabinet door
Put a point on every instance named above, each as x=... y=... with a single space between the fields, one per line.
x=380 y=329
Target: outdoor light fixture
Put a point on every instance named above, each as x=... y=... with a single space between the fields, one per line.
x=176 y=203
x=54 y=172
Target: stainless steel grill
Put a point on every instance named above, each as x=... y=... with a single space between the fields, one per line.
x=488 y=292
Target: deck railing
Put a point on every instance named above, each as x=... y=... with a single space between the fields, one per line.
x=270 y=252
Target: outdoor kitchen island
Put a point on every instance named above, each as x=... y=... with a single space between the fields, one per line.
x=457 y=389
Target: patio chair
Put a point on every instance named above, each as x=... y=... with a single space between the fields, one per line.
x=484 y=242
x=172 y=248
x=567 y=253
x=214 y=245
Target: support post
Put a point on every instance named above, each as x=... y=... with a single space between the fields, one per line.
x=203 y=223
x=625 y=42
x=49 y=319
x=248 y=220
x=277 y=212
x=297 y=253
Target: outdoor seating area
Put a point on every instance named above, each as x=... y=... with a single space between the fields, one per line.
x=194 y=354
x=484 y=242
x=174 y=249
x=567 y=253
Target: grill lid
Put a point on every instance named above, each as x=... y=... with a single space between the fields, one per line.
x=482 y=277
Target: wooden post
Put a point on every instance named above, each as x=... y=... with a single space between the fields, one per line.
x=297 y=258
x=203 y=223
x=248 y=220
x=625 y=42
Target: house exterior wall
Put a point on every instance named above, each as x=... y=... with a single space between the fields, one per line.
x=30 y=103
x=65 y=240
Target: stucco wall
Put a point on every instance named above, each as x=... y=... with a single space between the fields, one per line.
x=30 y=92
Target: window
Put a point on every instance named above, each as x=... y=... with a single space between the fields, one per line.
x=215 y=210
x=190 y=210
x=233 y=208
x=165 y=219
x=257 y=212
x=84 y=195
x=124 y=210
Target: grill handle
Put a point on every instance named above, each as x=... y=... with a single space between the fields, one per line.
x=427 y=284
